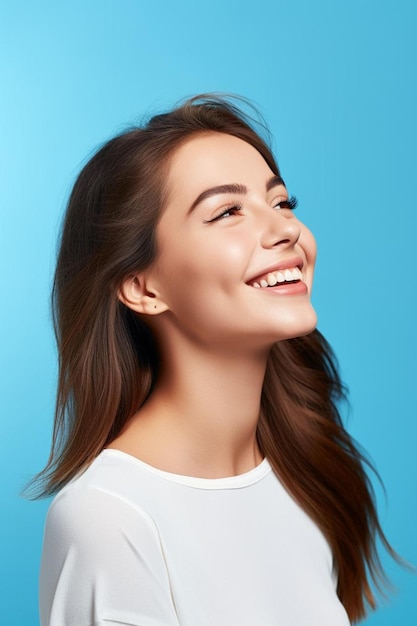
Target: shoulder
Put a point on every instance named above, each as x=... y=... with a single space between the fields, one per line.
x=100 y=501
x=102 y=553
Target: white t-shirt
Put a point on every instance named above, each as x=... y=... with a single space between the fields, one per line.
x=128 y=544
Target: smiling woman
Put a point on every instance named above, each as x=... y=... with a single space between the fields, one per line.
x=203 y=471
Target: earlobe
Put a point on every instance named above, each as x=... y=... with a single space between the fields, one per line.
x=136 y=295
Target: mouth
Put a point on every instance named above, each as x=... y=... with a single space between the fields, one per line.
x=278 y=277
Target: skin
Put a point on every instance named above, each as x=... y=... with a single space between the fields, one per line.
x=214 y=328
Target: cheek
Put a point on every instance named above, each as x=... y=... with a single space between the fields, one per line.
x=308 y=244
x=205 y=260
x=183 y=277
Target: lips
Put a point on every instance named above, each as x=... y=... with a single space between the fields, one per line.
x=273 y=278
x=288 y=271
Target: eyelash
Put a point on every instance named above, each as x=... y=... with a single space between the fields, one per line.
x=290 y=203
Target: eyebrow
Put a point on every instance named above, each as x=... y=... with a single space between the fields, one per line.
x=232 y=188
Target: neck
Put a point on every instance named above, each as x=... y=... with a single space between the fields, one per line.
x=202 y=416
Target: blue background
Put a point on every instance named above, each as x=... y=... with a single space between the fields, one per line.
x=336 y=81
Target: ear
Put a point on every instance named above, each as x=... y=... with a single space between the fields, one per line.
x=135 y=294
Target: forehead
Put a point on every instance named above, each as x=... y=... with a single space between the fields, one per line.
x=212 y=159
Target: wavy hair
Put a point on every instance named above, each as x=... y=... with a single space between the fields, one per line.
x=108 y=359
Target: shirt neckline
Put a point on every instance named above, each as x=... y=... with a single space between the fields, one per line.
x=229 y=482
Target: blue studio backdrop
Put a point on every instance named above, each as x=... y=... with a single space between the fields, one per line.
x=336 y=83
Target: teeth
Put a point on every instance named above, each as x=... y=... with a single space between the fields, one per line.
x=288 y=275
x=279 y=277
x=272 y=279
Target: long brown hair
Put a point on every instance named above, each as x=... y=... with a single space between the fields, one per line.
x=108 y=360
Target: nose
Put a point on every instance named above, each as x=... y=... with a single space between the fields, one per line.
x=279 y=228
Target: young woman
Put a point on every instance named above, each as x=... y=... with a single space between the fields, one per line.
x=204 y=475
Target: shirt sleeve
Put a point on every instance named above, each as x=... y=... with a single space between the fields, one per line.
x=102 y=564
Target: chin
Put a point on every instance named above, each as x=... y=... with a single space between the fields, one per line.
x=299 y=327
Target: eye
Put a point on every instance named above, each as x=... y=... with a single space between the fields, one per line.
x=227 y=212
x=289 y=203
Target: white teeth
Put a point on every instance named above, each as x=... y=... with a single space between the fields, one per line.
x=279 y=277
x=272 y=279
x=288 y=275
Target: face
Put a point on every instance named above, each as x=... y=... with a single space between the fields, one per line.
x=235 y=266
